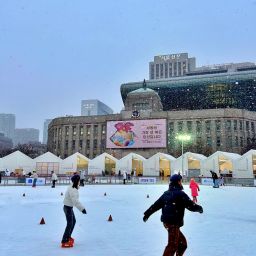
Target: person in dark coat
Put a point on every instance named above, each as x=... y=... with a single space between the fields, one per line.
x=215 y=179
x=173 y=203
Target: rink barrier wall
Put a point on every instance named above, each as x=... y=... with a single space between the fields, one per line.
x=92 y=179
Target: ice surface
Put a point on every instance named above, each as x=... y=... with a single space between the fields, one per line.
x=227 y=226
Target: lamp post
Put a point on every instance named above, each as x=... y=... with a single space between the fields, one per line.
x=182 y=138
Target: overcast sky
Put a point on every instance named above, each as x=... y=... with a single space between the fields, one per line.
x=54 y=53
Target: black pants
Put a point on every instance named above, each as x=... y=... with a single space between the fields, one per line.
x=82 y=182
x=53 y=183
x=177 y=242
x=71 y=222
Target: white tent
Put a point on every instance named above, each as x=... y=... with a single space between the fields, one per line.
x=103 y=162
x=245 y=166
x=17 y=161
x=46 y=163
x=75 y=162
x=131 y=162
x=220 y=162
x=156 y=163
x=190 y=163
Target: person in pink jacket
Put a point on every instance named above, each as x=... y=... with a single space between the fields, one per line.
x=194 y=190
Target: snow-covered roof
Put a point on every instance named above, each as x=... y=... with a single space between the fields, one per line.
x=47 y=157
x=159 y=154
x=17 y=154
x=77 y=154
x=225 y=154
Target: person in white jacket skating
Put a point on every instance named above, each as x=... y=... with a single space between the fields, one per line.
x=71 y=199
x=54 y=179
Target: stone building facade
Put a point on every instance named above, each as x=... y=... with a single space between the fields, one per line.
x=226 y=129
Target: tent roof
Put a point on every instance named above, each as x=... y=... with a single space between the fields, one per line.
x=250 y=152
x=159 y=154
x=16 y=154
x=133 y=155
x=46 y=156
x=76 y=155
x=225 y=154
x=105 y=155
x=197 y=156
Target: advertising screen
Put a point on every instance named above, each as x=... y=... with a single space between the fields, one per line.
x=149 y=133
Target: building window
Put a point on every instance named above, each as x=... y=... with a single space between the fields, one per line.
x=170 y=69
x=87 y=144
x=253 y=127
x=95 y=130
x=73 y=144
x=66 y=130
x=66 y=144
x=95 y=143
x=157 y=71
x=60 y=132
x=218 y=125
x=80 y=144
x=208 y=126
x=189 y=126
x=171 y=127
x=152 y=71
x=161 y=70
x=241 y=142
x=88 y=130
x=209 y=141
x=180 y=126
x=247 y=125
x=166 y=70
x=229 y=142
x=240 y=125
x=228 y=125
x=198 y=126
x=74 y=130
x=81 y=130
x=236 y=141
x=218 y=141
x=103 y=129
x=235 y=125
x=248 y=140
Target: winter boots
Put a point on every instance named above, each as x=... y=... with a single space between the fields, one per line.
x=68 y=244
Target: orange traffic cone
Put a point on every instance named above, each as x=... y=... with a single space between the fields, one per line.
x=42 y=222
x=110 y=218
x=105 y=194
x=147 y=196
x=24 y=194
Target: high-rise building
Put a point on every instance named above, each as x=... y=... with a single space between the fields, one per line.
x=7 y=125
x=25 y=135
x=171 y=65
x=45 y=134
x=94 y=108
x=5 y=143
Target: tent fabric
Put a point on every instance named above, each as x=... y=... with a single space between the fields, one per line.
x=97 y=165
x=125 y=163
x=152 y=165
x=70 y=163
x=17 y=160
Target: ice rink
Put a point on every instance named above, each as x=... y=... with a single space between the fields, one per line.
x=227 y=226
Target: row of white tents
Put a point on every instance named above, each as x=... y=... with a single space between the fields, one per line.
x=190 y=163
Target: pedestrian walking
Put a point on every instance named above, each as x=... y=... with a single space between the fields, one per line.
x=71 y=199
x=173 y=203
x=54 y=179
x=35 y=177
x=124 y=177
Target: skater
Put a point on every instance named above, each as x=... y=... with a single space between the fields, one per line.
x=194 y=189
x=173 y=203
x=71 y=199
x=214 y=179
x=124 y=177
x=0 y=177
x=54 y=179
x=82 y=177
x=221 y=183
x=35 y=177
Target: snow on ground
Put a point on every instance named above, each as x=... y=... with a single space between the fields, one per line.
x=227 y=226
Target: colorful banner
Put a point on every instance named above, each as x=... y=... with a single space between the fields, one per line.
x=149 y=133
x=39 y=181
x=145 y=180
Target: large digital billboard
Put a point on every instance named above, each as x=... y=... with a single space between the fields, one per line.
x=150 y=133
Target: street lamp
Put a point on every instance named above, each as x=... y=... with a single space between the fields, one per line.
x=182 y=138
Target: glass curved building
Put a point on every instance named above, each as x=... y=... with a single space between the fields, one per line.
x=221 y=89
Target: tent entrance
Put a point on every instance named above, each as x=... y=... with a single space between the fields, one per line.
x=225 y=166
x=194 y=167
x=137 y=165
x=254 y=165
x=81 y=163
x=164 y=165
x=110 y=165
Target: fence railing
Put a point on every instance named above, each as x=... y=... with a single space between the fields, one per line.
x=65 y=180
